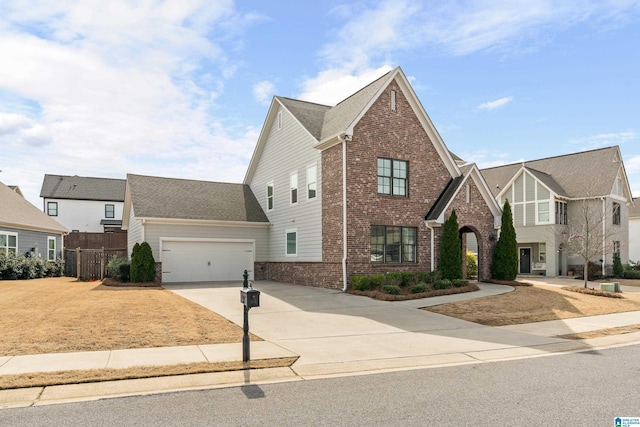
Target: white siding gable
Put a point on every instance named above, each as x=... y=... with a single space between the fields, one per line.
x=288 y=148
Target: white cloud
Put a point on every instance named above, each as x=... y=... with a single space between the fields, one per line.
x=487 y=159
x=632 y=165
x=116 y=87
x=263 y=91
x=605 y=139
x=333 y=85
x=492 y=105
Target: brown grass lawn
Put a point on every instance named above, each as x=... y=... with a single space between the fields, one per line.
x=536 y=303
x=56 y=315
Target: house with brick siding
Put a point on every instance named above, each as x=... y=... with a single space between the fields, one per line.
x=552 y=200
x=362 y=187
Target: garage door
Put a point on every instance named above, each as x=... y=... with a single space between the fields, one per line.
x=195 y=261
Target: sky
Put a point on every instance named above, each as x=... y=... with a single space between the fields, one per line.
x=181 y=88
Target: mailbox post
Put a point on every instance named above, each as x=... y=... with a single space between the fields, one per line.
x=249 y=297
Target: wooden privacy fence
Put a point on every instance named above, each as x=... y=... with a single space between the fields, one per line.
x=89 y=264
x=87 y=240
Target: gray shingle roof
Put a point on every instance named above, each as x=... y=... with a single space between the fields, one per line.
x=585 y=174
x=156 y=197
x=83 y=188
x=17 y=212
x=323 y=121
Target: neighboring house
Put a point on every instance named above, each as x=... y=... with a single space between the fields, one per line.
x=84 y=204
x=363 y=187
x=548 y=198
x=25 y=230
x=634 y=231
x=198 y=230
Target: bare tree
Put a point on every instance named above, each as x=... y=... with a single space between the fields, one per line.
x=589 y=235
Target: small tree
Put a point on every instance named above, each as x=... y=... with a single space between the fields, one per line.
x=143 y=266
x=618 y=269
x=588 y=233
x=472 y=264
x=451 y=249
x=505 y=256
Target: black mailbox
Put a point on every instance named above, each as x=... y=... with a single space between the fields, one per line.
x=250 y=297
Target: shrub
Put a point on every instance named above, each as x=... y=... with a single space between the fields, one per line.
x=459 y=283
x=19 y=267
x=394 y=278
x=450 y=264
x=391 y=289
x=143 y=266
x=360 y=283
x=618 y=270
x=442 y=284
x=119 y=269
x=419 y=288
x=55 y=268
x=378 y=280
x=423 y=277
x=632 y=274
x=505 y=255
x=408 y=278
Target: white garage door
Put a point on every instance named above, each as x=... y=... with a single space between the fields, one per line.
x=196 y=261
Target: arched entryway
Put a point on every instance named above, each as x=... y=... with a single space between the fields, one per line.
x=470 y=240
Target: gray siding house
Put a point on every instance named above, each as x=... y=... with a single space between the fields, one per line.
x=552 y=199
x=25 y=229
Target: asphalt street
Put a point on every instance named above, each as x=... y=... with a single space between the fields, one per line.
x=588 y=388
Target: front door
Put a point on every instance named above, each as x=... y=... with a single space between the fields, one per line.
x=525 y=260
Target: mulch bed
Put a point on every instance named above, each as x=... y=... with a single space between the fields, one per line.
x=405 y=293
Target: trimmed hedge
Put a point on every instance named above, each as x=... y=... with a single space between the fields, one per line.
x=442 y=284
x=360 y=282
x=391 y=289
x=419 y=288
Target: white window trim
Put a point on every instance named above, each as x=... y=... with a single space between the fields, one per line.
x=286 y=235
x=55 y=248
x=291 y=188
x=549 y=210
x=273 y=196
x=313 y=165
x=10 y=233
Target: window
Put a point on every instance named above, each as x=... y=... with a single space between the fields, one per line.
x=393 y=244
x=312 y=182
x=8 y=243
x=293 y=187
x=561 y=213
x=292 y=243
x=52 y=208
x=392 y=177
x=51 y=248
x=109 y=211
x=393 y=100
x=616 y=213
x=543 y=212
x=616 y=248
x=270 y=196
x=542 y=256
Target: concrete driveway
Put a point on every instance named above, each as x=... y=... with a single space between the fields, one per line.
x=334 y=332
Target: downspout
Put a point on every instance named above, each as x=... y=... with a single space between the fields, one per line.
x=604 y=236
x=344 y=212
x=426 y=223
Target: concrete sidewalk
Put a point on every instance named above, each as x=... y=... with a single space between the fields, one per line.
x=332 y=332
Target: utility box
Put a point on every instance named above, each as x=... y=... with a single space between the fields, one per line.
x=250 y=297
x=610 y=287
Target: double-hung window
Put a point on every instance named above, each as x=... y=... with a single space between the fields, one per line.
x=270 y=196
x=109 y=211
x=293 y=186
x=52 y=208
x=292 y=242
x=616 y=213
x=393 y=177
x=312 y=182
x=561 y=213
x=391 y=244
x=8 y=243
x=51 y=248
